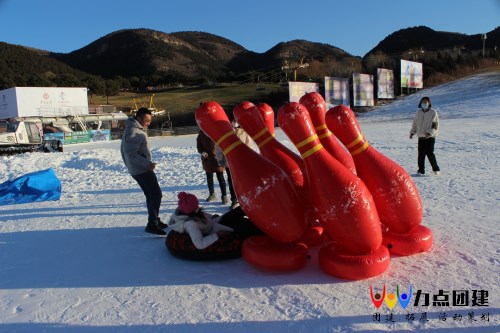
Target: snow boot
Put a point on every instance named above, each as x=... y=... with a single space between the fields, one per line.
x=155 y=229
x=161 y=225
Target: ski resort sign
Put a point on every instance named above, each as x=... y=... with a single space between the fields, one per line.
x=43 y=102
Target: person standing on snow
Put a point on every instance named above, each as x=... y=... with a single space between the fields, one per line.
x=206 y=148
x=426 y=125
x=137 y=158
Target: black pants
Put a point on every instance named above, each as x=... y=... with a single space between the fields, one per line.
x=230 y=183
x=426 y=148
x=242 y=226
x=220 y=179
x=149 y=185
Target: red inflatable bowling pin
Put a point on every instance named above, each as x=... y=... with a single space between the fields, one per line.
x=263 y=189
x=396 y=196
x=267 y=113
x=343 y=204
x=249 y=117
x=316 y=106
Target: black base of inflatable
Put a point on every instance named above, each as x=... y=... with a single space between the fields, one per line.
x=181 y=246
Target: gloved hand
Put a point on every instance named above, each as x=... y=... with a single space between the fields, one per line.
x=411 y=135
x=204 y=154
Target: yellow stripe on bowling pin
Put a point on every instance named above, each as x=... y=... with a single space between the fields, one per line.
x=306 y=141
x=222 y=138
x=358 y=139
x=327 y=134
x=269 y=138
x=258 y=135
x=231 y=147
x=323 y=127
x=360 y=149
x=311 y=151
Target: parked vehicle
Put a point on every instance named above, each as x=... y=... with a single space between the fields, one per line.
x=25 y=135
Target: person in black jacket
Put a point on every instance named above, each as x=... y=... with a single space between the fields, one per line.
x=206 y=147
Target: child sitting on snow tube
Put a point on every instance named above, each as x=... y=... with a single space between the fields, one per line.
x=197 y=235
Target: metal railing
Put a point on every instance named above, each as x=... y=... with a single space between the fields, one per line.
x=184 y=130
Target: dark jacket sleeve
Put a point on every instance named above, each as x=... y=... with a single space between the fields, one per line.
x=205 y=144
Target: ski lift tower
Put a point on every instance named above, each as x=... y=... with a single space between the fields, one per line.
x=483 y=38
x=294 y=64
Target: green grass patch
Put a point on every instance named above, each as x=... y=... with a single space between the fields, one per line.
x=187 y=99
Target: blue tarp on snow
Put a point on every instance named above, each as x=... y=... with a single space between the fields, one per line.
x=36 y=186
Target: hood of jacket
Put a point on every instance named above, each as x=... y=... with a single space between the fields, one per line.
x=131 y=123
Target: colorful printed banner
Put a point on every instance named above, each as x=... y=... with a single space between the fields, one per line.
x=299 y=89
x=385 y=83
x=336 y=91
x=79 y=137
x=411 y=74
x=362 y=85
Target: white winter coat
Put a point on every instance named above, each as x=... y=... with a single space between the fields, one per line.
x=425 y=124
x=203 y=233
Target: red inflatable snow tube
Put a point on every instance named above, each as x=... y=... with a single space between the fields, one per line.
x=313 y=236
x=335 y=262
x=267 y=253
x=416 y=241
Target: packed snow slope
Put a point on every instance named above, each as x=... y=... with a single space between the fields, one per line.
x=84 y=263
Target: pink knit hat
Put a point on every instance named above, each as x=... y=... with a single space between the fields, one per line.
x=188 y=202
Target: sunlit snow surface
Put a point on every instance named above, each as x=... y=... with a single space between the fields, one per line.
x=84 y=263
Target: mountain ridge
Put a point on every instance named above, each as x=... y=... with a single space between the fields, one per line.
x=145 y=57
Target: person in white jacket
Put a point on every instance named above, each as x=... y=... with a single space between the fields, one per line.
x=203 y=229
x=426 y=127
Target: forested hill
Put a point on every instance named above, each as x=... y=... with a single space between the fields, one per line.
x=426 y=39
x=21 y=66
x=136 y=58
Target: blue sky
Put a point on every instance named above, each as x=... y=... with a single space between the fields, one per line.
x=356 y=26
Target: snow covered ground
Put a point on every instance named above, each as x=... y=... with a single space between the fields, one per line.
x=84 y=264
